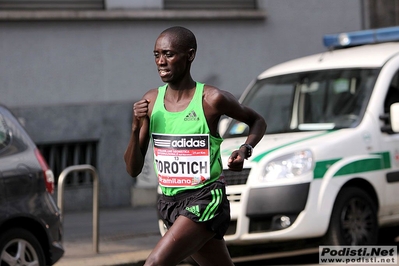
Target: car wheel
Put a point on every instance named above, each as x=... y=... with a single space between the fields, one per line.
x=353 y=219
x=20 y=247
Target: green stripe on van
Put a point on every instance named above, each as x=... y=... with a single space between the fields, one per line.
x=321 y=167
x=260 y=156
x=360 y=166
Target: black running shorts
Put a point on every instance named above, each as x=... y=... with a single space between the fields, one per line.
x=208 y=204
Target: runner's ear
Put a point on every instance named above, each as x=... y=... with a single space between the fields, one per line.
x=191 y=54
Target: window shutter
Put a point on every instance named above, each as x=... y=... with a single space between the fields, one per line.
x=50 y=4
x=381 y=14
x=210 y=4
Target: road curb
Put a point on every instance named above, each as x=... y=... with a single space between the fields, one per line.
x=107 y=259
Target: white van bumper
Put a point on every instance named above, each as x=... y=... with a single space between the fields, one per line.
x=279 y=213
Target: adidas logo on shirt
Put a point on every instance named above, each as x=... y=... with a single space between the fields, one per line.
x=192 y=116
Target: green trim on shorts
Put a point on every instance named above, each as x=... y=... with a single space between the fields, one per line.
x=212 y=207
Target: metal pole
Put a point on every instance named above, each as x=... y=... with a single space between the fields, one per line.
x=60 y=197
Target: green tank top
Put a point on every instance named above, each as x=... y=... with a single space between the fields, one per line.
x=186 y=155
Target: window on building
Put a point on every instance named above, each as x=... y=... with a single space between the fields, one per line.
x=61 y=155
x=51 y=4
x=210 y=4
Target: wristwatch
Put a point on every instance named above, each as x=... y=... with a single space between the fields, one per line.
x=249 y=150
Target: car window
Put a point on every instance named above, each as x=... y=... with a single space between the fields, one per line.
x=5 y=134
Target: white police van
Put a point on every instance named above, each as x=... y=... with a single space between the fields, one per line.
x=328 y=167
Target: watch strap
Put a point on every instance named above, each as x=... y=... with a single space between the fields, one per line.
x=249 y=149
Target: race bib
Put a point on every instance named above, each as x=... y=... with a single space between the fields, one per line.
x=181 y=160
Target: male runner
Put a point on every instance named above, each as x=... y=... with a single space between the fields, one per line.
x=181 y=119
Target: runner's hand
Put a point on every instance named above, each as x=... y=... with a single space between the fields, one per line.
x=140 y=112
x=236 y=160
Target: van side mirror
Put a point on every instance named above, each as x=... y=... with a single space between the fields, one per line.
x=394 y=114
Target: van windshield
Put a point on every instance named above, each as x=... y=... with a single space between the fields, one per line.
x=319 y=100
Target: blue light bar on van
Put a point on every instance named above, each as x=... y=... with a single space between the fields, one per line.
x=354 y=38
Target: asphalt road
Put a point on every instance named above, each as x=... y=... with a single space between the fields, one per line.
x=127 y=232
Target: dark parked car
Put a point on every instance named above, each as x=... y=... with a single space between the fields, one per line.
x=30 y=224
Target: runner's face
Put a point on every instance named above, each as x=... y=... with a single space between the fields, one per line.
x=171 y=60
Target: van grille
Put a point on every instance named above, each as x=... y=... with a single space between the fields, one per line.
x=236 y=178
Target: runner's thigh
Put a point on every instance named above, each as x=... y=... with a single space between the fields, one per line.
x=213 y=253
x=183 y=238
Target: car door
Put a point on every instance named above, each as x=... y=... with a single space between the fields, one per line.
x=390 y=144
x=17 y=168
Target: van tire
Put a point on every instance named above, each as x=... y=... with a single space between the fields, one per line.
x=353 y=220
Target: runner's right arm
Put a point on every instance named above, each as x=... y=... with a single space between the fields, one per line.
x=139 y=138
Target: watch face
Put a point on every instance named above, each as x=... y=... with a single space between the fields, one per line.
x=249 y=153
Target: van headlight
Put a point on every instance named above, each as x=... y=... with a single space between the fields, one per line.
x=288 y=166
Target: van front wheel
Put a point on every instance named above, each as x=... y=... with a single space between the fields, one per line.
x=353 y=220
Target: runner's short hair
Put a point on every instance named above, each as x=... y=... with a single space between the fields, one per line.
x=184 y=37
